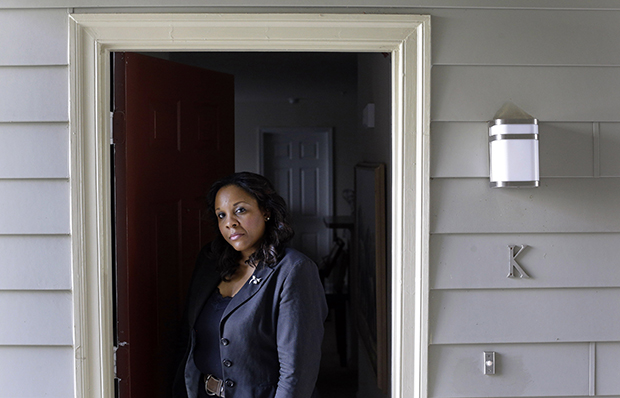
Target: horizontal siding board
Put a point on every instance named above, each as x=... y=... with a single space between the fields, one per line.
x=525 y=37
x=36 y=318
x=531 y=370
x=558 y=205
x=35 y=262
x=34 y=94
x=538 y=4
x=21 y=45
x=472 y=261
x=34 y=207
x=36 y=150
x=609 y=147
x=524 y=316
x=36 y=372
x=608 y=368
x=566 y=150
x=460 y=149
x=551 y=94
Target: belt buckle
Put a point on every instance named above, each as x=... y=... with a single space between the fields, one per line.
x=214 y=386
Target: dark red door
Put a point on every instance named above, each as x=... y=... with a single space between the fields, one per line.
x=173 y=136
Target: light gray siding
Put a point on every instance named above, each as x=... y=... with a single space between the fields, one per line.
x=34 y=150
x=36 y=304
x=551 y=93
x=39 y=318
x=52 y=366
x=608 y=149
x=460 y=149
x=525 y=36
x=34 y=37
x=557 y=333
x=560 y=205
x=531 y=370
x=35 y=262
x=478 y=316
x=38 y=93
x=37 y=206
x=608 y=368
x=479 y=261
x=388 y=4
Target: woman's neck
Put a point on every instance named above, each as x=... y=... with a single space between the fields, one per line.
x=236 y=282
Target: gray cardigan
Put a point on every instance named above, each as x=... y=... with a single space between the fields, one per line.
x=270 y=333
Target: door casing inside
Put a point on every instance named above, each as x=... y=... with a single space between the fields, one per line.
x=93 y=36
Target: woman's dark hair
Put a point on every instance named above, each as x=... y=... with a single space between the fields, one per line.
x=277 y=229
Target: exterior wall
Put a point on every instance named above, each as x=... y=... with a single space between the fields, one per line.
x=552 y=333
x=555 y=334
x=36 y=330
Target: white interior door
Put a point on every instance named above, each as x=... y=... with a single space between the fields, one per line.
x=299 y=163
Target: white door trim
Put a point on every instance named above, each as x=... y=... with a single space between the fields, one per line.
x=93 y=36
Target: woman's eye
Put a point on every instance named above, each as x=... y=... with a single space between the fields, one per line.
x=220 y=215
x=240 y=210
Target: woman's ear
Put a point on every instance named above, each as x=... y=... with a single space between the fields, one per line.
x=267 y=216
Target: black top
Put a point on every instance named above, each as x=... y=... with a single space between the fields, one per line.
x=207 y=350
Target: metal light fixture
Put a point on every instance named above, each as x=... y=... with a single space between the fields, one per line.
x=513 y=149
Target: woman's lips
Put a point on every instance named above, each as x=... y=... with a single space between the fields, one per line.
x=235 y=236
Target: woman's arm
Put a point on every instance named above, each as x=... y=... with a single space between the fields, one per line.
x=302 y=312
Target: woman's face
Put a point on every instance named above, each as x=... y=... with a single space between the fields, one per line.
x=240 y=219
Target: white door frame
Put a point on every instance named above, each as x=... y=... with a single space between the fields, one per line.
x=93 y=36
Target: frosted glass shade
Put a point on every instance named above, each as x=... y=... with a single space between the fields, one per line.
x=513 y=154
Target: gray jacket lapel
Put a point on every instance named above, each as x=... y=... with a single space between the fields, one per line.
x=251 y=287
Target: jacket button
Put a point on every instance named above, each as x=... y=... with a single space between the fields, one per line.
x=225 y=341
x=229 y=383
x=227 y=363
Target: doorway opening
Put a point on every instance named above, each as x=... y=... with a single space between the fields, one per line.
x=93 y=37
x=300 y=94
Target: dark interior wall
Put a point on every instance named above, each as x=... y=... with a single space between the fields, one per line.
x=375 y=146
x=291 y=90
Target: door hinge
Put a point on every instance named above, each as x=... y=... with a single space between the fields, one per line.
x=116 y=347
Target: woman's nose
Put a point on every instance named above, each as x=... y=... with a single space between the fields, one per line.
x=232 y=222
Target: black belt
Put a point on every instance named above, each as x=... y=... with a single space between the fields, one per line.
x=213 y=386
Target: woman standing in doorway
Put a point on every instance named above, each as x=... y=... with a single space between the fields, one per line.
x=255 y=311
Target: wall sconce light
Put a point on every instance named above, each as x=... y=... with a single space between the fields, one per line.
x=513 y=149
